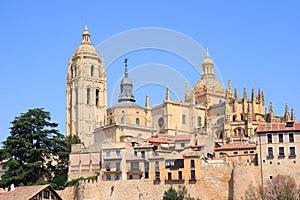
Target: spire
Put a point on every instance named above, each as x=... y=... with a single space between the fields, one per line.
x=86 y=36
x=229 y=90
x=187 y=91
x=293 y=117
x=271 y=107
x=147 y=102
x=126 y=70
x=253 y=97
x=245 y=94
x=168 y=95
x=126 y=87
x=206 y=53
x=287 y=113
x=235 y=93
x=207 y=66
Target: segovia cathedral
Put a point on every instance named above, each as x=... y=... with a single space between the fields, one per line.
x=121 y=142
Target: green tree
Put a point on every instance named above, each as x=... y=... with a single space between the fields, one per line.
x=72 y=139
x=35 y=150
x=181 y=194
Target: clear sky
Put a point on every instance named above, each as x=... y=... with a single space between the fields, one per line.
x=253 y=43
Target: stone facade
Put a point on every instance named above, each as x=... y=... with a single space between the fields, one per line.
x=140 y=151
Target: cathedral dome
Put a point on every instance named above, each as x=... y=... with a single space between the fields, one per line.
x=86 y=45
x=211 y=84
x=86 y=48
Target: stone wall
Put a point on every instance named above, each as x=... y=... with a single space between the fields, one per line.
x=213 y=184
x=242 y=176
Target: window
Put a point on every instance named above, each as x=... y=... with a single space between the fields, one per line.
x=235 y=153
x=118 y=177
x=170 y=163
x=169 y=176
x=118 y=152
x=107 y=154
x=107 y=166
x=122 y=120
x=292 y=151
x=291 y=137
x=134 y=166
x=156 y=164
x=110 y=121
x=135 y=153
x=179 y=175
x=97 y=97
x=88 y=96
x=245 y=152
x=46 y=194
x=251 y=151
x=118 y=166
x=146 y=175
x=157 y=175
x=92 y=70
x=192 y=163
x=137 y=121
x=193 y=175
x=270 y=151
x=183 y=119
x=182 y=145
x=108 y=177
x=221 y=154
x=234 y=118
x=4 y=167
x=280 y=137
x=199 y=121
x=281 y=151
x=269 y=138
x=146 y=166
x=143 y=154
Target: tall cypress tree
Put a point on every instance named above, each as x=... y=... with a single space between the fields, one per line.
x=35 y=150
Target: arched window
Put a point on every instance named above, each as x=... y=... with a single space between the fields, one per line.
x=110 y=122
x=97 y=97
x=199 y=121
x=92 y=70
x=88 y=96
x=137 y=121
x=183 y=119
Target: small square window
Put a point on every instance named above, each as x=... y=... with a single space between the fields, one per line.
x=235 y=153
x=271 y=177
x=221 y=154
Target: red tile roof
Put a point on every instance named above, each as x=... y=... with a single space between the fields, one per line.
x=183 y=137
x=190 y=152
x=274 y=127
x=160 y=140
x=24 y=192
x=236 y=146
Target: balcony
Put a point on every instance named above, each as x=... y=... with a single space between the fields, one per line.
x=192 y=181
x=281 y=156
x=271 y=156
x=156 y=181
x=112 y=171
x=292 y=156
x=174 y=181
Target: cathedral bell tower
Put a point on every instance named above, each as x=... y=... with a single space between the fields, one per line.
x=86 y=93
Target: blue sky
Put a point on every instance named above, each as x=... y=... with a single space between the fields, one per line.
x=253 y=43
